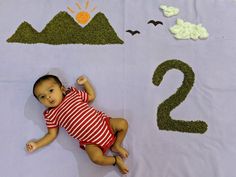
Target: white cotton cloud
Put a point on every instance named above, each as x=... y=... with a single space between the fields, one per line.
x=187 y=30
x=169 y=11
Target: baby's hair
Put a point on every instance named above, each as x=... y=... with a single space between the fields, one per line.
x=44 y=78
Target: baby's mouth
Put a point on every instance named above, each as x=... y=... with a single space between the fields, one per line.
x=52 y=102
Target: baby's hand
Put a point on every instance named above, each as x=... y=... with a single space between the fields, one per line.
x=31 y=146
x=81 y=80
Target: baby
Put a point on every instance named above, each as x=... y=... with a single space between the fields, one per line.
x=69 y=108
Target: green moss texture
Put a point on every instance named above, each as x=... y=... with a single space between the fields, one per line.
x=63 y=29
x=164 y=120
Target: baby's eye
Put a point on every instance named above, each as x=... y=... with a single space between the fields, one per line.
x=51 y=90
x=42 y=97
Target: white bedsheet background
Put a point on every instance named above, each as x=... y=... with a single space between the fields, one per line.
x=122 y=77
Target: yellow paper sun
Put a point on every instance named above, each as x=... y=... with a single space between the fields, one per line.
x=83 y=16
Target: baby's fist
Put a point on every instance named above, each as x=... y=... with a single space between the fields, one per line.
x=31 y=146
x=81 y=80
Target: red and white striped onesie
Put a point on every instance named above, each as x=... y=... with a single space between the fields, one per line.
x=81 y=120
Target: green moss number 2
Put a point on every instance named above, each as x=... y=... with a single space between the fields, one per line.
x=164 y=120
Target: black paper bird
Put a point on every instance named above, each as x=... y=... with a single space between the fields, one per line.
x=155 y=23
x=133 y=32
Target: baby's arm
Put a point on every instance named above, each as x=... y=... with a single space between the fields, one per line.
x=82 y=80
x=31 y=146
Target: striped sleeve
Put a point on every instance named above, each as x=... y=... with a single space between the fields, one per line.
x=82 y=94
x=50 y=119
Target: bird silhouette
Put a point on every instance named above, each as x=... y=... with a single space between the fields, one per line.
x=155 y=23
x=133 y=32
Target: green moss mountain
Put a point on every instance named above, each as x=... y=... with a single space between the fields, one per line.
x=63 y=29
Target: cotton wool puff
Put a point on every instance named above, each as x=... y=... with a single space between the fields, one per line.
x=187 y=30
x=169 y=11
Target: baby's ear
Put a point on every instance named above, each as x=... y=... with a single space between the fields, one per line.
x=63 y=89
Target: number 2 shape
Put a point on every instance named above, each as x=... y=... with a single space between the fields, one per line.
x=164 y=120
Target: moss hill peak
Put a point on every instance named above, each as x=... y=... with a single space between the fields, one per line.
x=63 y=29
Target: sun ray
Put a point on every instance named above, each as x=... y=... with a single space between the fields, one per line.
x=71 y=10
x=87 y=5
x=93 y=9
x=78 y=5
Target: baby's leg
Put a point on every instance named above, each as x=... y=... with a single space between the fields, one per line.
x=97 y=156
x=120 y=127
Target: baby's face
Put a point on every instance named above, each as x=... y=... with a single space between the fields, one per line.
x=49 y=93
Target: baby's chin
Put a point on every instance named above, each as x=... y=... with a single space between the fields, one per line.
x=52 y=104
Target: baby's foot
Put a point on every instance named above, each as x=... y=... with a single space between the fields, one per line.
x=120 y=150
x=121 y=165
